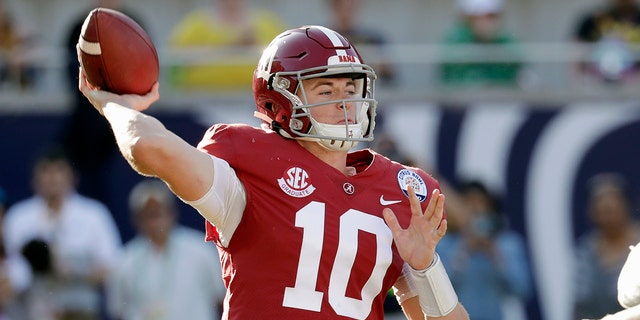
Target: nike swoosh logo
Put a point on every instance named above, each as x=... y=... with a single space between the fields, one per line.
x=388 y=202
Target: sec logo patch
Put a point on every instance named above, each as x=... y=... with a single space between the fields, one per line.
x=296 y=183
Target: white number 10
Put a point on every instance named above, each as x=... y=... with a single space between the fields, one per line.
x=304 y=295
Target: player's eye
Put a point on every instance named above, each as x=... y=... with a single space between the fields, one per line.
x=324 y=91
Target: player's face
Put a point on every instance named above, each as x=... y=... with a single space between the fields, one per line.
x=331 y=91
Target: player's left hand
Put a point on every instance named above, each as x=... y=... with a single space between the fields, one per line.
x=417 y=243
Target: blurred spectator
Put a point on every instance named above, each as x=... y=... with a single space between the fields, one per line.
x=602 y=251
x=216 y=45
x=480 y=28
x=370 y=42
x=487 y=260
x=71 y=242
x=86 y=136
x=167 y=271
x=16 y=69
x=612 y=29
x=15 y=276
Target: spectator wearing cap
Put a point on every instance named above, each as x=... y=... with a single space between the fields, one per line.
x=491 y=57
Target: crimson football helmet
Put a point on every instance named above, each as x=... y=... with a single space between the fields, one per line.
x=305 y=53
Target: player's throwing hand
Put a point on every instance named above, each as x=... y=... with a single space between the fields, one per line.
x=98 y=98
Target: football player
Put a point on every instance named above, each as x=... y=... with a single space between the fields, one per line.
x=306 y=229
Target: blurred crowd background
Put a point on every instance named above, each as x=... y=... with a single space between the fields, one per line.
x=527 y=111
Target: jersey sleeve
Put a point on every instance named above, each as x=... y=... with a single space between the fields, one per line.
x=222 y=206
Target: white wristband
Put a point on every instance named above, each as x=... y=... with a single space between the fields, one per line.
x=435 y=291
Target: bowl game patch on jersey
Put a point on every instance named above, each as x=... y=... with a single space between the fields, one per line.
x=407 y=178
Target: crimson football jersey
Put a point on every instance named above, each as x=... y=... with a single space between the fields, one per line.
x=312 y=242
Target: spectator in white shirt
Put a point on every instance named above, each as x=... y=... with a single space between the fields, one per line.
x=168 y=271
x=70 y=241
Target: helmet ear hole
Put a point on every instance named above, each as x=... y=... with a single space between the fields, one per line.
x=280 y=113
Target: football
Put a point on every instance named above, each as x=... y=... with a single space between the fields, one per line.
x=116 y=53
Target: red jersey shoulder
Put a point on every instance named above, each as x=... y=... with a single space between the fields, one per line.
x=228 y=141
x=422 y=183
x=222 y=133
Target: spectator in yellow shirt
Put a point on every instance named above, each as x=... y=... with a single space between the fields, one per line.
x=216 y=47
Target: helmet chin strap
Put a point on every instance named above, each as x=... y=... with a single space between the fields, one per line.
x=262 y=116
x=337 y=145
x=331 y=145
x=344 y=134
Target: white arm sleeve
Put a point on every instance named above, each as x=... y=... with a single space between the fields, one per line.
x=224 y=203
x=629 y=280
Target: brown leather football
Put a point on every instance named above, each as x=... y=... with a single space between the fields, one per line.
x=117 y=55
